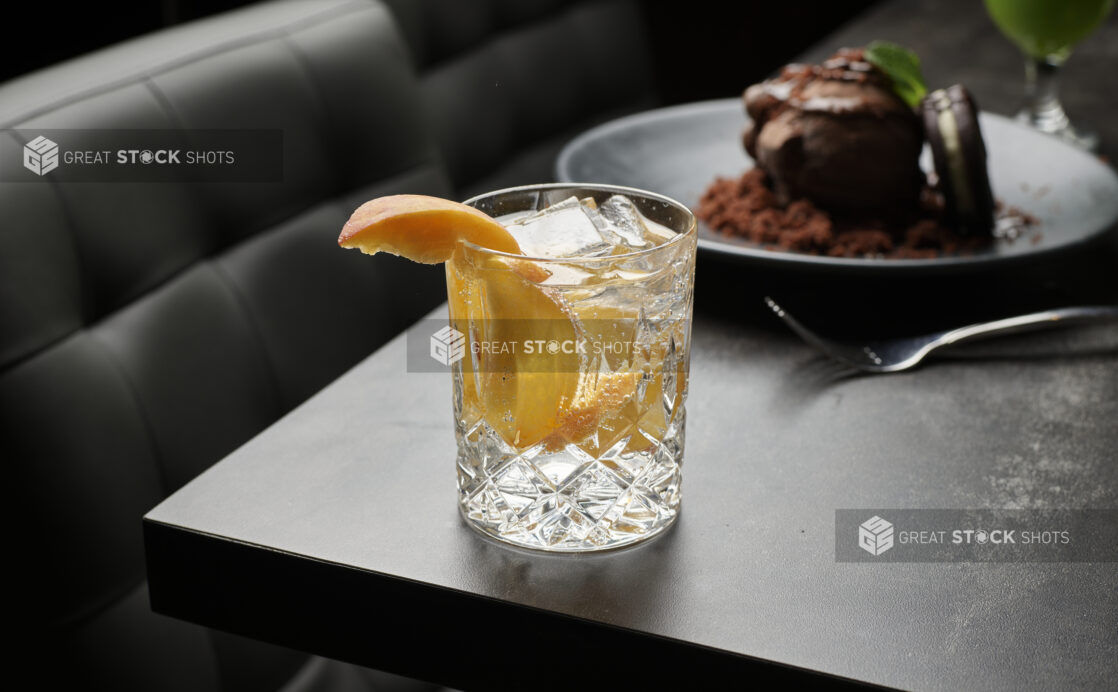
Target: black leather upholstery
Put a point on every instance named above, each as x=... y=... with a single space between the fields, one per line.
x=506 y=83
x=146 y=330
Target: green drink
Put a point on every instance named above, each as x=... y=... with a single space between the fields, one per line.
x=1047 y=28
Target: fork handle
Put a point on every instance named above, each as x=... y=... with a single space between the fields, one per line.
x=1045 y=319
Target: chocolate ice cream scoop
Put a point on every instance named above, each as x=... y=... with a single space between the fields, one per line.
x=838 y=135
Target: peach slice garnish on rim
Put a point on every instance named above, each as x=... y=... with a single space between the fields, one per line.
x=421 y=228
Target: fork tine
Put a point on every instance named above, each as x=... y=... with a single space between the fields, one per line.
x=804 y=333
x=813 y=339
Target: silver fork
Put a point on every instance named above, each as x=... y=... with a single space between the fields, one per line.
x=895 y=355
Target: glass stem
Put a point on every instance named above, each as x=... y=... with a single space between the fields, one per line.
x=1043 y=110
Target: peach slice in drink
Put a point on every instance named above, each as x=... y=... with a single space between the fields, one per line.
x=520 y=393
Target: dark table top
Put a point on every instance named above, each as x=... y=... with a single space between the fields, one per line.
x=336 y=530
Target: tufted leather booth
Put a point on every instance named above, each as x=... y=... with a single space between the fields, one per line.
x=508 y=83
x=146 y=330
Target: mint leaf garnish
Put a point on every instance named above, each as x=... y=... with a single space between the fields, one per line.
x=902 y=66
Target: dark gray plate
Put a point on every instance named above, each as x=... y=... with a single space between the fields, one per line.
x=678 y=151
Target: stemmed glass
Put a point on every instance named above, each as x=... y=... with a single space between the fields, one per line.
x=1046 y=30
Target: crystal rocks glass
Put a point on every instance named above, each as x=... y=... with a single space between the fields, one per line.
x=569 y=393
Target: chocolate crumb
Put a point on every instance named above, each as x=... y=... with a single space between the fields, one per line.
x=747 y=207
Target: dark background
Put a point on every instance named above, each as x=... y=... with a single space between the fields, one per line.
x=711 y=49
x=702 y=49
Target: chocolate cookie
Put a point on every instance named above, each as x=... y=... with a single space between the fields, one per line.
x=951 y=127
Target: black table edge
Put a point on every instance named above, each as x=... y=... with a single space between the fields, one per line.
x=369 y=618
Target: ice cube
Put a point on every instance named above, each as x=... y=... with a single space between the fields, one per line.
x=565 y=275
x=656 y=233
x=621 y=222
x=565 y=229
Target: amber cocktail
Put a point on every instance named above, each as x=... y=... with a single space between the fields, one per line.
x=569 y=401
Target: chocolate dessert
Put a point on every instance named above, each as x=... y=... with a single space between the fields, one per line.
x=837 y=149
x=836 y=134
